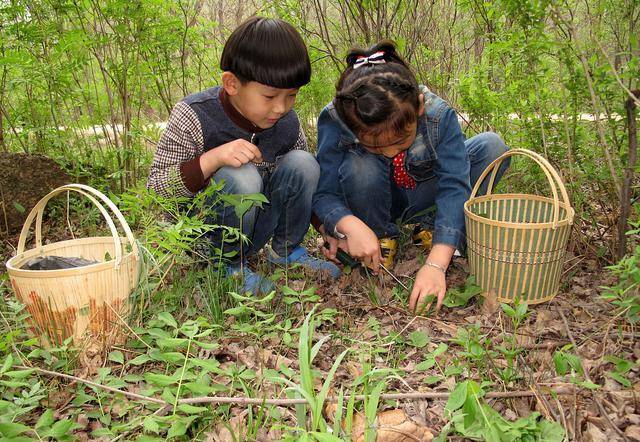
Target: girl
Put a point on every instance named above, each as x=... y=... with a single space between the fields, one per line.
x=389 y=148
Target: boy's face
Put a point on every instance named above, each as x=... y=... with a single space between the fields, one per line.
x=261 y=104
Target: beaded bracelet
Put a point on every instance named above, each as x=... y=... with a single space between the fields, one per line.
x=436 y=266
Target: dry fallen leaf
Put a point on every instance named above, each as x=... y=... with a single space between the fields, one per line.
x=230 y=431
x=548 y=321
x=391 y=426
x=407 y=267
x=594 y=434
x=490 y=303
x=633 y=432
x=91 y=358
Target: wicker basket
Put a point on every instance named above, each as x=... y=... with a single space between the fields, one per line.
x=516 y=242
x=87 y=303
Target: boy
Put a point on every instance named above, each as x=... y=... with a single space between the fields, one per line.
x=246 y=134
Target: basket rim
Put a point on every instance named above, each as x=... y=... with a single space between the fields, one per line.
x=566 y=221
x=14 y=270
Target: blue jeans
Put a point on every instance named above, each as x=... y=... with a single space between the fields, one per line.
x=289 y=189
x=372 y=195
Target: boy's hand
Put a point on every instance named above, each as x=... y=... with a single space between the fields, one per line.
x=232 y=154
x=362 y=243
x=429 y=282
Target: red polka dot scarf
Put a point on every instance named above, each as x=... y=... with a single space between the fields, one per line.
x=400 y=175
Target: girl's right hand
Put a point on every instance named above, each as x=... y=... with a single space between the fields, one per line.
x=333 y=243
x=362 y=242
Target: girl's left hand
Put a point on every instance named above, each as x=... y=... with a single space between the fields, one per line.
x=429 y=281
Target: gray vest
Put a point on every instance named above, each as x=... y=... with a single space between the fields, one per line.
x=218 y=129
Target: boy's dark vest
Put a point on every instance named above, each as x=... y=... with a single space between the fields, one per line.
x=218 y=129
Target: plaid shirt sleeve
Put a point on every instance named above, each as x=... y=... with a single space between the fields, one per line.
x=176 y=166
x=301 y=142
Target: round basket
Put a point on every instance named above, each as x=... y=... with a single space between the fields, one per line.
x=516 y=242
x=87 y=303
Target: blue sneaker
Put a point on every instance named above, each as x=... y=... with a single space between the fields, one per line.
x=251 y=281
x=300 y=256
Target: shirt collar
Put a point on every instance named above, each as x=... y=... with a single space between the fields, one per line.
x=236 y=116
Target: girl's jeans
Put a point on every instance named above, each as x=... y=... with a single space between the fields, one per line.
x=289 y=189
x=372 y=196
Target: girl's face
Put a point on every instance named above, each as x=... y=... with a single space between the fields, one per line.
x=389 y=143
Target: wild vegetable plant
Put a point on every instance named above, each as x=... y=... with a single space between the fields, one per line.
x=621 y=369
x=305 y=387
x=568 y=363
x=471 y=417
x=625 y=295
x=517 y=314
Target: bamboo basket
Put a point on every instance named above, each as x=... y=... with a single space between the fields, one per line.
x=517 y=242
x=87 y=303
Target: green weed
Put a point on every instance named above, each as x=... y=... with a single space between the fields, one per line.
x=471 y=417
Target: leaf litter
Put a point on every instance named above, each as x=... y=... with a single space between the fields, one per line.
x=412 y=354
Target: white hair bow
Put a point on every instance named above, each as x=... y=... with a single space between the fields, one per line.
x=375 y=58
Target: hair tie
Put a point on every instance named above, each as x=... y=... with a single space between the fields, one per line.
x=375 y=58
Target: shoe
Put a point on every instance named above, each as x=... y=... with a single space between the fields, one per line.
x=251 y=282
x=422 y=237
x=388 y=249
x=300 y=256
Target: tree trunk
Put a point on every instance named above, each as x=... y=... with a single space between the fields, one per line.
x=629 y=174
x=2 y=143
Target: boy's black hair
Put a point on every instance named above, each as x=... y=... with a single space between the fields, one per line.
x=269 y=51
x=374 y=98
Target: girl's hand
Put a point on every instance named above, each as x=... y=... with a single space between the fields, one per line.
x=430 y=281
x=334 y=243
x=362 y=243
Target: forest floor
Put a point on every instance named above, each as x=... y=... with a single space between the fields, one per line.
x=571 y=360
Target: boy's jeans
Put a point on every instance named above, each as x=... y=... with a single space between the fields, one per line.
x=289 y=189
x=378 y=203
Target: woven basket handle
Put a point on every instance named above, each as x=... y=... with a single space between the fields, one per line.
x=91 y=194
x=555 y=182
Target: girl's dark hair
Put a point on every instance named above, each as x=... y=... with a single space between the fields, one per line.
x=269 y=51
x=374 y=98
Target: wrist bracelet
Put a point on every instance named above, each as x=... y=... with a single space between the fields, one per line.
x=436 y=266
x=337 y=234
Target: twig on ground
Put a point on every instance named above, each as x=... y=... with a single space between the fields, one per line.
x=575 y=416
x=402 y=331
x=587 y=377
x=535 y=387
x=94 y=384
x=288 y=402
x=606 y=333
x=564 y=420
x=127 y=325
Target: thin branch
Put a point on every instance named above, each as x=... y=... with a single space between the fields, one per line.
x=95 y=384
x=289 y=402
x=596 y=115
x=615 y=74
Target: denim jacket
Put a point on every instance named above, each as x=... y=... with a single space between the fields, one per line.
x=438 y=151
